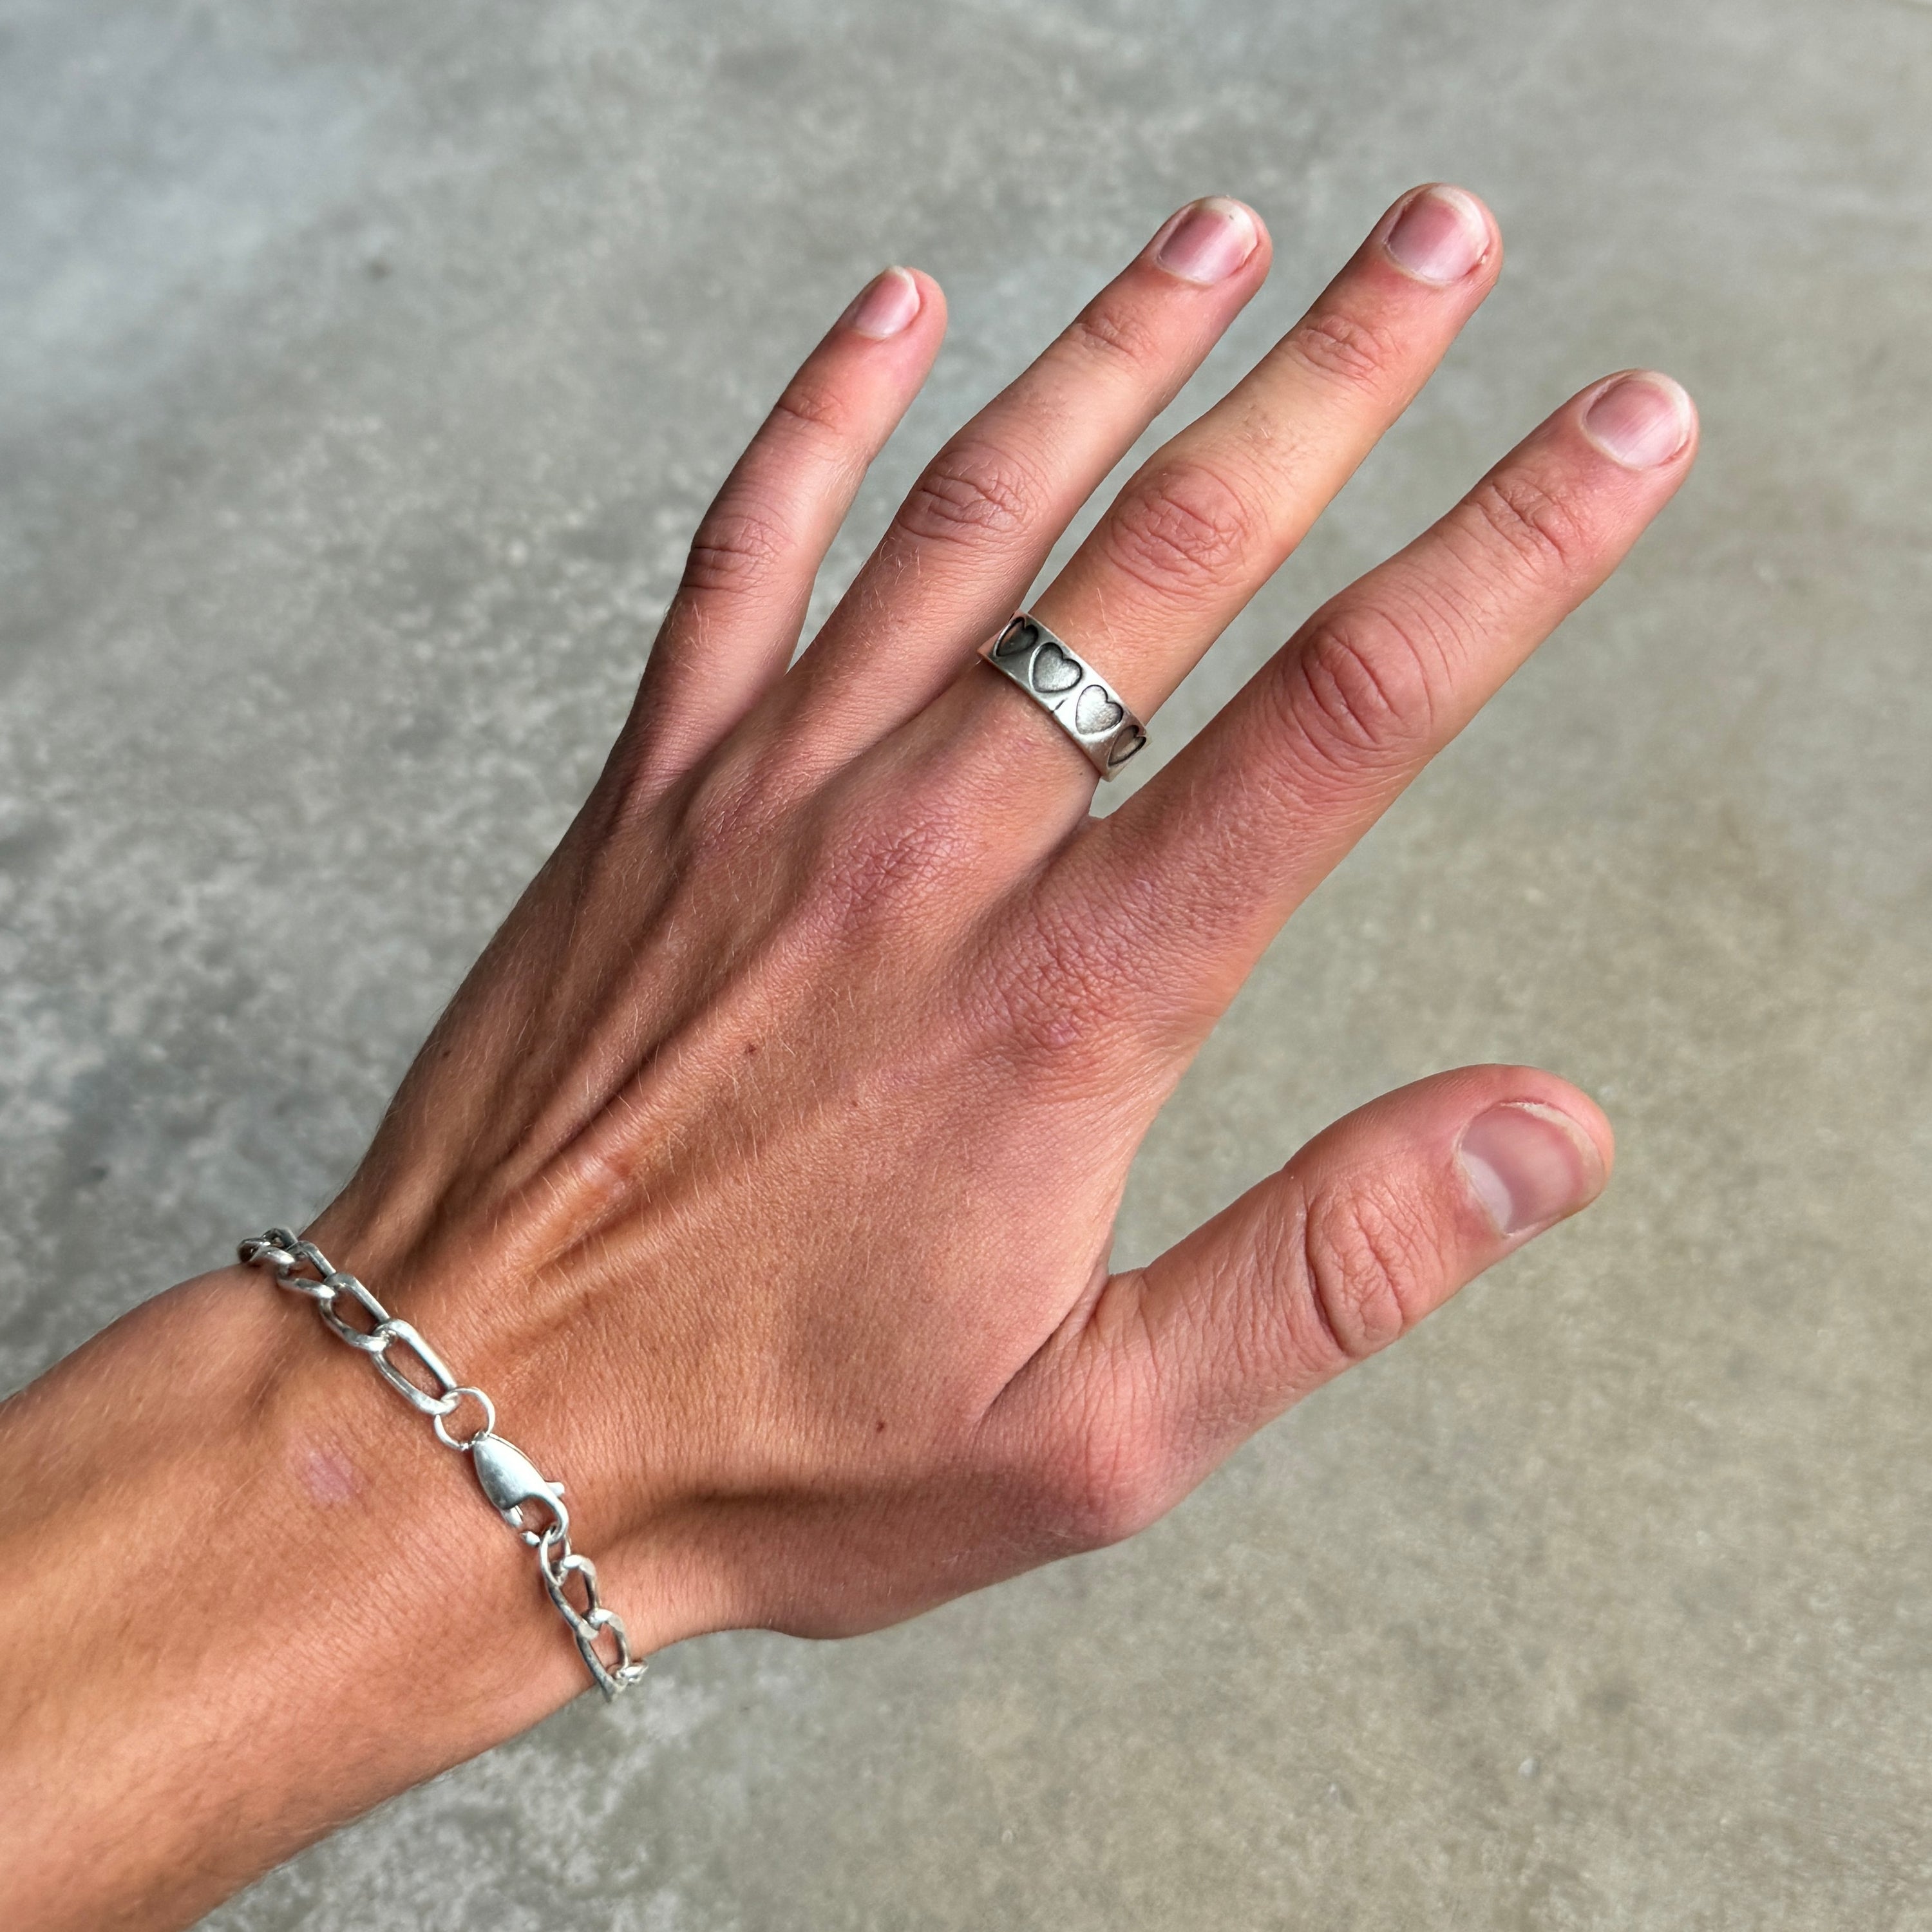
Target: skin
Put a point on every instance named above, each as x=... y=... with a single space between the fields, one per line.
x=763 y=1170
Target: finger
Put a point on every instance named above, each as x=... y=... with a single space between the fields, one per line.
x=1371 y=1227
x=1208 y=859
x=732 y=626
x=977 y=526
x=1213 y=513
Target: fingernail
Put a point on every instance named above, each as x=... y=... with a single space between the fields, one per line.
x=1439 y=237
x=1529 y=1165
x=884 y=306
x=1641 y=420
x=1207 y=240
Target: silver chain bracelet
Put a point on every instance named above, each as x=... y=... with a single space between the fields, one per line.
x=508 y=1476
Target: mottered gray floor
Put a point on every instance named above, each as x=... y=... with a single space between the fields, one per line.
x=363 y=365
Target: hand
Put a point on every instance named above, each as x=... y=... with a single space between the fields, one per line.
x=764 y=1169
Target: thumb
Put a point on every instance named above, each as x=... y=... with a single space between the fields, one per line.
x=1372 y=1225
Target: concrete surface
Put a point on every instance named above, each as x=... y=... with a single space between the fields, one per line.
x=363 y=366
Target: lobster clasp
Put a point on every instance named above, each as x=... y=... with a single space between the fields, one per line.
x=510 y=1480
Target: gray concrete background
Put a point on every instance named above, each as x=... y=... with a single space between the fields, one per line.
x=364 y=364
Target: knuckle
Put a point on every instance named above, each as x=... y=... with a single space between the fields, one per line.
x=971 y=492
x=1360 y=692
x=1347 y=347
x=1366 y=1260
x=740 y=545
x=1179 y=530
x=873 y=873
x=723 y=815
x=1539 y=528
x=815 y=408
x=1108 y=1480
x=1061 y=999
x=1114 y=332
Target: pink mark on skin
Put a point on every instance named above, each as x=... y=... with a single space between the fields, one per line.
x=328 y=1476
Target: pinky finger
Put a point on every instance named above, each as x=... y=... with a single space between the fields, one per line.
x=732 y=627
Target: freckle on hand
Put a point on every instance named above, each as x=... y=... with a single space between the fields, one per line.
x=328 y=1476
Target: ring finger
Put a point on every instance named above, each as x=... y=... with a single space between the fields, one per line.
x=1214 y=512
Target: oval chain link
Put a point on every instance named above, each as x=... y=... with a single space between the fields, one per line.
x=588 y=1624
x=509 y=1481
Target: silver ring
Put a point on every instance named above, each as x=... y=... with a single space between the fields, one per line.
x=1069 y=690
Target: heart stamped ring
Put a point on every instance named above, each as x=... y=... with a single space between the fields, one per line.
x=1069 y=690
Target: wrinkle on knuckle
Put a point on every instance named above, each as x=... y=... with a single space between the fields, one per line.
x=1333 y=343
x=1060 y=1001
x=971 y=492
x=1359 y=692
x=1179 y=531
x=815 y=408
x=873 y=871
x=722 y=815
x=1114 y=332
x=1541 y=531
x=1365 y=1261
x=739 y=547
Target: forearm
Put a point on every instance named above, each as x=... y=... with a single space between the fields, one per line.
x=241 y=1600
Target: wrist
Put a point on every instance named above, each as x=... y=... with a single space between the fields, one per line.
x=607 y=1425
x=396 y=1560
x=461 y=1417
x=241 y=1577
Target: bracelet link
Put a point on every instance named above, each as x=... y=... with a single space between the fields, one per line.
x=457 y=1394
x=438 y=1402
x=341 y=1285
x=589 y=1624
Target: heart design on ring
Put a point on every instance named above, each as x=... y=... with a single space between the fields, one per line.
x=1021 y=637
x=1096 y=712
x=1053 y=671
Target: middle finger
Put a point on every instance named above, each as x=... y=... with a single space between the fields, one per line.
x=979 y=524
